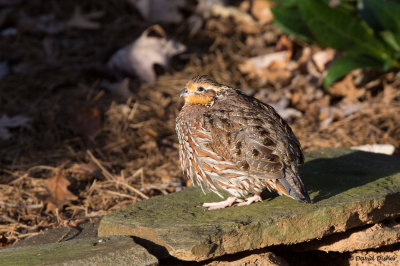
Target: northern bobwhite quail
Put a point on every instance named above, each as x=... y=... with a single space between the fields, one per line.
x=233 y=142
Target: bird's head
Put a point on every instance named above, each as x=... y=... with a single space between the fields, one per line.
x=202 y=90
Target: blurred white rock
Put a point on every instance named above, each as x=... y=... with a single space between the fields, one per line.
x=376 y=148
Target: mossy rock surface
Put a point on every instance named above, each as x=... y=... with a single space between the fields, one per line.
x=116 y=250
x=348 y=189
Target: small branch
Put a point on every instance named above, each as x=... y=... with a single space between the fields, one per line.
x=104 y=171
x=13 y=205
x=119 y=194
x=132 y=189
x=85 y=217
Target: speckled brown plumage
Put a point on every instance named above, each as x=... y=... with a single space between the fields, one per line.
x=233 y=142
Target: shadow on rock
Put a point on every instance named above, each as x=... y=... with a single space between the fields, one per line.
x=331 y=176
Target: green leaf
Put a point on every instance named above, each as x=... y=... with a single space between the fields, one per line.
x=341 y=30
x=387 y=12
x=390 y=39
x=290 y=21
x=369 y=16
x=346 y=64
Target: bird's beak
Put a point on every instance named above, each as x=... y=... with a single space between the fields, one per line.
x=184 y=92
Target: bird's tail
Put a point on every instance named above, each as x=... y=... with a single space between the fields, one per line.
x=293 y=187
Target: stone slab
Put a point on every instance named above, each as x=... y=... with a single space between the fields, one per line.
x=115 y=250
x=376 y=236
x=348 y=189
x=61 y=234
x=263 y=259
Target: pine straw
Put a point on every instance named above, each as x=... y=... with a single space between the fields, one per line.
x=378 y=123
x=134 y=157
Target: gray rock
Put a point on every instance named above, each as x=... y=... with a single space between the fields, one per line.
x=376 y=236
x=57 y=235
x=263 y=259
x=348 y=189
x=116 y=250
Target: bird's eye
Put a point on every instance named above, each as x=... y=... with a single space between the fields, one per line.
x=200 y=89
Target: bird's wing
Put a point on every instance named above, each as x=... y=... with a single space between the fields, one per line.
x=293 y=144
x=253 y=137
x=246 y=140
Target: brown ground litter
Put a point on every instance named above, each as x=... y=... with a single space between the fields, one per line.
x=85 y=152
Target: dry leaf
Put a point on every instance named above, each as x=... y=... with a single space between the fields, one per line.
x=85 y=121
x=59 y=193
x=12 y=122
x=389 y=93
x=140 y=56
x=285 y=45
x=261 y=10
x=243 y=20
x=305 y=56
x=84 y=21
x=347 y=110
x=269 y=67
x=258 y=63
x=329 y=114
x=160 y=10
x=149 y=144
x=322 y=58
x=84 y=170
x=119 y=89
x=220 y=26
x=347 y=89
x=230 y=11
x=245 y=5
x=204 y=6
x=282 y=107
x=202 y=12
